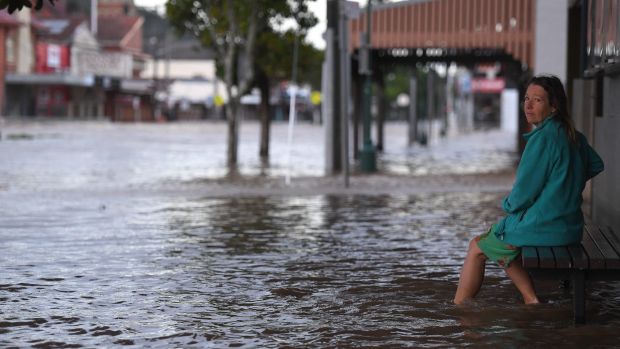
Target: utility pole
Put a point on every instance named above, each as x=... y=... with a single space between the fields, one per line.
x=368 y=158
x=344 y=90
x=333 y=115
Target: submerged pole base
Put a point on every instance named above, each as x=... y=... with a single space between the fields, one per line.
x=368 y=158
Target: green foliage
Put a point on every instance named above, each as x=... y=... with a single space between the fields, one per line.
x=13 y=5
x=397 y=82
x=209 y=21
x=276 y=58
x=310 y=65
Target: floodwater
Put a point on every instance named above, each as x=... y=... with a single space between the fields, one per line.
x=102 y=155
x=94 y=254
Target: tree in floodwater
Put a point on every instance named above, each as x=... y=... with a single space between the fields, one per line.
x=275 y=63
x=230 y=28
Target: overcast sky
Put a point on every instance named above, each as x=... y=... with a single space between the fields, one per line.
x=314 y=35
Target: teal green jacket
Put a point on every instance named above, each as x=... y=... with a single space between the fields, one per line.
x=544 y=205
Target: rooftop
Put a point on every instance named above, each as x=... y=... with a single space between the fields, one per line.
x=111 y=30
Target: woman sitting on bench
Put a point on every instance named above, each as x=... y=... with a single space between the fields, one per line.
x=544 y=205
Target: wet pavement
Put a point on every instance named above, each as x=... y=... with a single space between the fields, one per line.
x=132 y=235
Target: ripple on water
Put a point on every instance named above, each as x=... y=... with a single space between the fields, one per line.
x=316 y=271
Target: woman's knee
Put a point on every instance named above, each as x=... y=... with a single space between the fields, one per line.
x=474 y=250
x=473 y=244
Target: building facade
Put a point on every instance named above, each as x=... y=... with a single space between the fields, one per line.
x=80 y=69
x=8 y=55
x=597 y=100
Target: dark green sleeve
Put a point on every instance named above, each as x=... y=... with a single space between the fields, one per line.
x=595 y=163
x=531 y=176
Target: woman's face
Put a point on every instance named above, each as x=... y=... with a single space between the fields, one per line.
x=536 y=105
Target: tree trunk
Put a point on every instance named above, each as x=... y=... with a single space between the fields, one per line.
x=265 y=115
x=242 y=85
x=233 y=133
x=231 y=108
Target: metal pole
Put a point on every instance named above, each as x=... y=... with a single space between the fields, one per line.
x=368 y=161
x=344 y=94
x=430 y=105
x=413 y=109
x=291 y=114
x=93 y=16
x=583 y=38
x=334 y=127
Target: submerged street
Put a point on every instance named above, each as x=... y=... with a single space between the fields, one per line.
x=134 y=235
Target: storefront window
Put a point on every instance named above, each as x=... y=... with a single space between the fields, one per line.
x=53 y=56
x=603 y=40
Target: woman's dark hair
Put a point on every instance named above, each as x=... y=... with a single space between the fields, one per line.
x=558 y=100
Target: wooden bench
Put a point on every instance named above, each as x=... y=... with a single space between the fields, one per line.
x=596 y=258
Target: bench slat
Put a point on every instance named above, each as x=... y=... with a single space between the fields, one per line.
x=595 y=257
x=562 y=257
x=529 y=256
x=612 y=238
x=598 y=256
x=612 y=260
x=545 y=258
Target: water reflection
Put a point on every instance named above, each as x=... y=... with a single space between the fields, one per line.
x=312 y=276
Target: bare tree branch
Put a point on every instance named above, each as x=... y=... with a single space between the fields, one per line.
x=249 y=49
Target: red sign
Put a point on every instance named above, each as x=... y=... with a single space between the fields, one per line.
x=488 y=85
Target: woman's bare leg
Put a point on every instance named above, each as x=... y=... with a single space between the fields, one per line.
x=523 y=281
x=472 y=273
